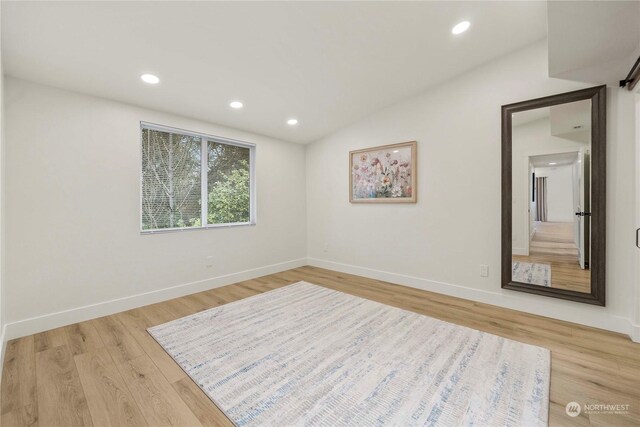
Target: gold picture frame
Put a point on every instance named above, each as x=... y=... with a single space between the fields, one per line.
x=384 y=174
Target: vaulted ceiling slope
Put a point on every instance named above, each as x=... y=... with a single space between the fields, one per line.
x=327 y=64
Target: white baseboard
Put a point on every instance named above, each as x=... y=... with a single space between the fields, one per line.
x=635 y=332
x=548 y=307
x=520 y=251
x=3 y=343
x=37 y=324
x=583 y=314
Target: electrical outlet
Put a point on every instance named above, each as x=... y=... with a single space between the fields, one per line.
x=209 y=261
x=484 y=270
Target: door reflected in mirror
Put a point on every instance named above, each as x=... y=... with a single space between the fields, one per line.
x=551 y=196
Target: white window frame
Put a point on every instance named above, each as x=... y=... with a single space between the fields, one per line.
x=204 y=192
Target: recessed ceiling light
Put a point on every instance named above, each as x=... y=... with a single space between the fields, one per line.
x=552 y=163
x=460 y=27
x=292 y=122
x=236 y=104
x=396 y=151
x=150 y=78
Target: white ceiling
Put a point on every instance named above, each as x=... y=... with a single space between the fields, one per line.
x=563 y=120
x=593 y=41
x=527 y=116
x=560 y=159
x=570 y=118
x=326 y=63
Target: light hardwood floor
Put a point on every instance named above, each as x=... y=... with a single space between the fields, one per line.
x=553 y=244
x=109 y=371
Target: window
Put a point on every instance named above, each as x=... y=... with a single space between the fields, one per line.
x=182 y=169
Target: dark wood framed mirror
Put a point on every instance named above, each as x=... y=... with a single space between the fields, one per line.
x=554 y=196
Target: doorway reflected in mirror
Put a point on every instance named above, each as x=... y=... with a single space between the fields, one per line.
x=551 y=196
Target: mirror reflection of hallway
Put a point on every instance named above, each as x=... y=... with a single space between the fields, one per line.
x=551 y=196
x=553 y=243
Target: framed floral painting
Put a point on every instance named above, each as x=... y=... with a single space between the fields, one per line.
x=385 y=174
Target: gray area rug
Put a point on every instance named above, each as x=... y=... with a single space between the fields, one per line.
x=308 y=355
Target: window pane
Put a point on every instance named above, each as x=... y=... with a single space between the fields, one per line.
x=170 y=180
x=228 y=184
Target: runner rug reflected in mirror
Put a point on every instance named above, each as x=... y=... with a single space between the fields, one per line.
x=307 y=355
x=532 y=273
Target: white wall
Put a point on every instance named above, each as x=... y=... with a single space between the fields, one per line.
x=637 y=225
x=440 y=242
x=74 y=244
x=72 y=202
x=559 y=192
x=2 y=183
